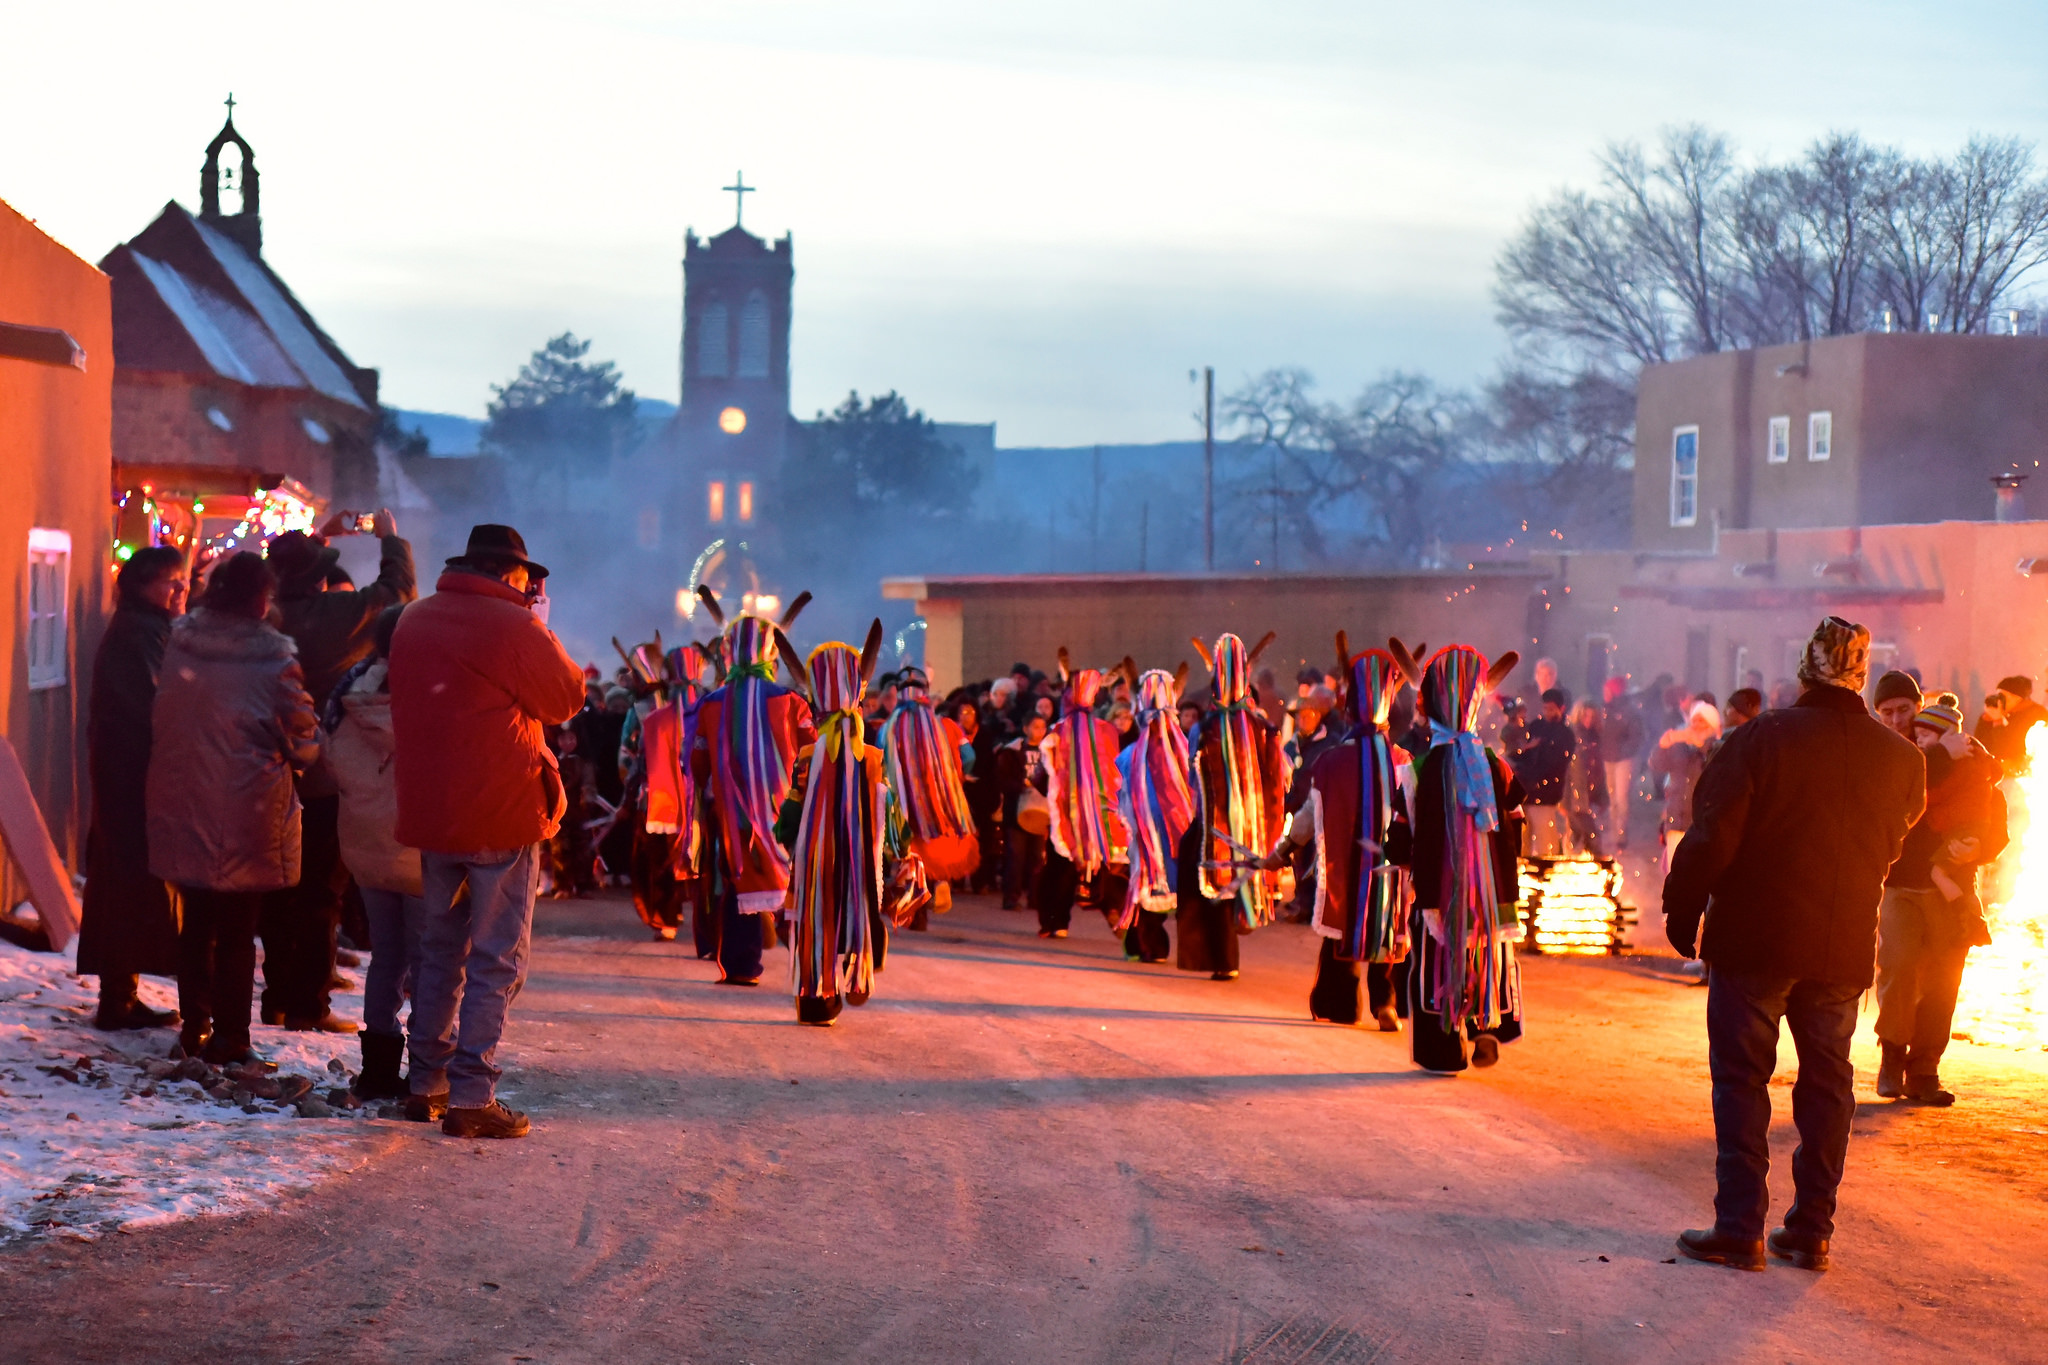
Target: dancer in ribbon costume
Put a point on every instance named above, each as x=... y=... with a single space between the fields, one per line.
x=1087 y=836
x=1157 y=806
x=922 y=750
x=1464 y=985
x=1357 y=816
x=668 y=841
x=837 y=938
x=748 y=732
x=1241 y=792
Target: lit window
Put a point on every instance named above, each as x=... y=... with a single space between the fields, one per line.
x=714 y=502
x=1685 y=476
x=1820 y=435
x=1779 y=448
x=746 y=502
x=714 y=346
x=49 y=589
x=732 y=421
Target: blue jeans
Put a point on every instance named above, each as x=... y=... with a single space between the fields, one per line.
x=1743 y=1013
x=472 y=963
x=394 y=947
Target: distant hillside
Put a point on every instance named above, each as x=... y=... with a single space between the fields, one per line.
x=450 y=436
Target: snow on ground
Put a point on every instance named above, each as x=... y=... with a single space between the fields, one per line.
x=92 y=1142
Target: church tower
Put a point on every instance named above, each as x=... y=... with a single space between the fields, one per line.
x=234 y=172
x=733 y=424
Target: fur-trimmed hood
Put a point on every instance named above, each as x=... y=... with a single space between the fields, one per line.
x=227 y=638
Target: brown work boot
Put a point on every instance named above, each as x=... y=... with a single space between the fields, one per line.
x=426 y=1108
x=1716 y=1247
x=494 y=1120
x=1801 y=1249
x=1927 y=1090
x=1891 y=1071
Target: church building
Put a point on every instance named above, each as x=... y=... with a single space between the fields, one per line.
x=225 y=388
x=733 y=425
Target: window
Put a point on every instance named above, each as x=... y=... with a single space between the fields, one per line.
x=49 y=591
x=1820 y=435
x=714 y=355
x=746 y=502
x=714 y=501
x=754 y=337
x=1685 y=476
x=1778 y=448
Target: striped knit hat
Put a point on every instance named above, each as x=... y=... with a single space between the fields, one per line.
x=1943 y=720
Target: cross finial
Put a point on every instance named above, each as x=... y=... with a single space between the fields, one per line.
x=739 y=189
x=231 y=107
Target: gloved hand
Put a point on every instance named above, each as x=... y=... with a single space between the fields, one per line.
x=1683 y=933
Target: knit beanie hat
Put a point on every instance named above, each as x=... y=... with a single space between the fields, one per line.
x=1838 y=655
x=1894 y=685
x=2018 y=686
x=1943 y=720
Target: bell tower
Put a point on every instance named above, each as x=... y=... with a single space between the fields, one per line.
x=231 y=168
x=733 y=422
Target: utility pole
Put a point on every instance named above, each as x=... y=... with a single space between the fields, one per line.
x=1209 y=468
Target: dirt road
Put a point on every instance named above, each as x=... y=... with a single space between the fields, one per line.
x=1031 y=1151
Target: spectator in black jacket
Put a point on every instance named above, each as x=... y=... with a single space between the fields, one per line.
x=1540 y=752
x=1795 y=824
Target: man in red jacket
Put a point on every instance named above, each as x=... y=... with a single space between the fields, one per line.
x=474 y=678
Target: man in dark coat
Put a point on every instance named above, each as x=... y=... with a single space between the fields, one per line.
x=130 y=925
x=334 y=631
x=1795 y=823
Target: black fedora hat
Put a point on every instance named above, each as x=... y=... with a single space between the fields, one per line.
x=497 y=545
x=298 y=559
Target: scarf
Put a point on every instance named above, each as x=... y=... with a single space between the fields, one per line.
x=1080 y=778
x=1154 y=798
x=754 y=778
x=836 y=886
x=1374 y=929
x=924 y=769
x=1469 y=986
x=1236 y=723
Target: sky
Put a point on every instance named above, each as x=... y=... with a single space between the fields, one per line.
x=1042 y=216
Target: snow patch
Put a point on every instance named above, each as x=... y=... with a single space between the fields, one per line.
x=93 y=1140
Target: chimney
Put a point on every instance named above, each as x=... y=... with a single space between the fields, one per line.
x=2012 y=499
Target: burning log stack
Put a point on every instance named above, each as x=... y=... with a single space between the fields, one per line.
x=1572 y=907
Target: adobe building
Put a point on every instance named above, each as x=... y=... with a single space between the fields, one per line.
x=1874 y=429
x=1850 y=476
x=56 y=413
x=977 y=626
x=224 y=385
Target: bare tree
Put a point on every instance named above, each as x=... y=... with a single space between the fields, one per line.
x=1356 y=483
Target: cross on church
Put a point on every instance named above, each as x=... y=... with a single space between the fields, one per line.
x=231 y=106
x=739 y=190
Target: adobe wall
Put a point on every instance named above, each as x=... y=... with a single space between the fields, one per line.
x=977 y=628
x=56 y=445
